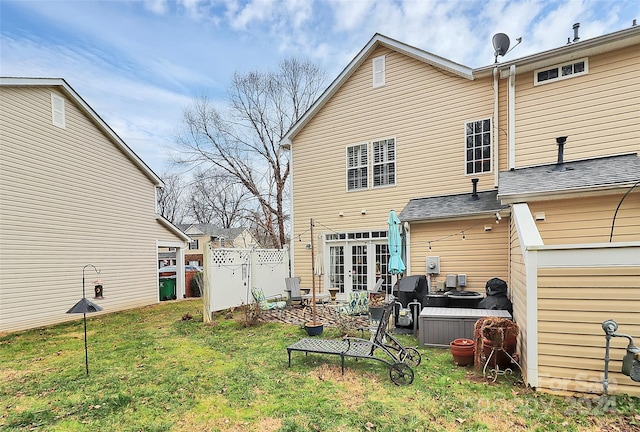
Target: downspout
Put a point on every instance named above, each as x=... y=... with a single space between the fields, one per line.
x=495 y=128
x=512 y=117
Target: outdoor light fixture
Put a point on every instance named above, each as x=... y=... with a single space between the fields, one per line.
x=308 y=246
x=85 y=306
x=498 y=218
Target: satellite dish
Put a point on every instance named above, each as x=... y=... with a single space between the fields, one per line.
x=500 y=44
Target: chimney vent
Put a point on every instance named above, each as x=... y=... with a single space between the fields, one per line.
x=560 y=163
x=576 y=26
x=474 y=195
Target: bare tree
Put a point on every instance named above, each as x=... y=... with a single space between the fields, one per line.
x=170 y=198
x=244 y=140
x=218 y=198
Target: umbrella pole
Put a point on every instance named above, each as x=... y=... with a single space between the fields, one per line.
x=313 y=279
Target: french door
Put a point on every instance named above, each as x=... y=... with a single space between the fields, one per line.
x=355 y=266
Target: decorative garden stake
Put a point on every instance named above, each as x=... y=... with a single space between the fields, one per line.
x=85 y=306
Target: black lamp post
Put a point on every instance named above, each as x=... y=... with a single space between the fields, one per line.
x=85 y=306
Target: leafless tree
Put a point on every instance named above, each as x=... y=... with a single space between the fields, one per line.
x=170 y=198
x=243 y=140
x=218 y=198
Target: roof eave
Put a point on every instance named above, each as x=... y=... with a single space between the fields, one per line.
x=588 y=47
x=171 y=227
x=102 y=125
x=582 y=192
x=358 y=60
x=478 y=215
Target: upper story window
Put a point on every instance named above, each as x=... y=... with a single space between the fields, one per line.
x=378 y=71
x=384 y=162
x=357 y=167
x=562 y=71
x=193 y=244
x=478 y=146
x=57 y=111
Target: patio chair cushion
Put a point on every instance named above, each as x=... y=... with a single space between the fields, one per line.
x=357 y=304
x=264 y=303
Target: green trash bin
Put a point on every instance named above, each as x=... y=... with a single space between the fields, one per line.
x=168 y=288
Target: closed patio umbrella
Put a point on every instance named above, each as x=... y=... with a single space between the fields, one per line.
x=396 y=266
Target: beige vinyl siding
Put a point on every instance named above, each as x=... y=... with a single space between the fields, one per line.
x=481 y=256
x=598 y=111
x=518 y=294
x=424 y=108
x=589 y=220
x=573 y=303
x=70 y=197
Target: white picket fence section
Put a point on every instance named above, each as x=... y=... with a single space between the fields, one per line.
x=229 y=275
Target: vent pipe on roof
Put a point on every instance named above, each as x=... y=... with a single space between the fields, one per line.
x=576 y=26
x=560 y=163
x=474 y=194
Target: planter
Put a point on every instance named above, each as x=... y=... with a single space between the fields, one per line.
x=462 y=351
x=499 y=357
x=333 y=292
x=314 y=329
x=375 y=312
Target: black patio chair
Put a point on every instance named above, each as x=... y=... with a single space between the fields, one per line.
x=400 y=359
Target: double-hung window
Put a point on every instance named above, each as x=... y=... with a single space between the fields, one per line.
x=478 y=146
x=357 y=167
x=384 y=162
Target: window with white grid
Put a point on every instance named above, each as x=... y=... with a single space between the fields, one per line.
x=384 y=162
x=478 y=146
x=357 y=167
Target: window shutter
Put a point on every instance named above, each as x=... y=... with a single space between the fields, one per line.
x=378 y=71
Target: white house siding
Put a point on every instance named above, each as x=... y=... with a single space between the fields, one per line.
x=423 y=107
x=597 y=111
x=69 y=197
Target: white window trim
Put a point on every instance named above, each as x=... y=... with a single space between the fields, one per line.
x=58 y=111
x=347 y=167
x=380 y=73
x=464 y=168
x=560 y=77
x=395 y=162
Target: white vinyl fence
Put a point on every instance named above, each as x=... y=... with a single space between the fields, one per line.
x=229 y=275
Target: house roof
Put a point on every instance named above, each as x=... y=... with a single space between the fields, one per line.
x=84 y=106
x=451 y=206
x=566 y=52
x=211 y=230
x=592 y=175
x=173 y=228
x=376 y=41
x=616 y=40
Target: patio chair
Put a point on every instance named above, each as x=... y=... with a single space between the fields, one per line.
x=271 y=303
x=400 y=359
x=295 y=294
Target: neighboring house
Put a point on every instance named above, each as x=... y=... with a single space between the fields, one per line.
x=72 y=193
x=404 y=129
x=203 y=234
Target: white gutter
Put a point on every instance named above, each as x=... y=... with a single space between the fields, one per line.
x=512 y=117
x=289 y=147
x=494 y=130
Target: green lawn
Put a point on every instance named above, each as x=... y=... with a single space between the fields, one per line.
x=150 y=370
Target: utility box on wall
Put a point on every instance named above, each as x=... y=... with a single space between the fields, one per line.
x=433 y=265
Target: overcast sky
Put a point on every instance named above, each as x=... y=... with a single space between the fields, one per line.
x=139 y=64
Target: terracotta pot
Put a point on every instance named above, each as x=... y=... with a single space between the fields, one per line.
x=499 y=358
x=462 y=351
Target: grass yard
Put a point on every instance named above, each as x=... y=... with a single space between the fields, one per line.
x=150 y=370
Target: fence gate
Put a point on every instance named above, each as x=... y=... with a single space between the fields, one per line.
x=230 y=273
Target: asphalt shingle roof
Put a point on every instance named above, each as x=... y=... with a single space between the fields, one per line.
x=577 y=175
x=451 y=206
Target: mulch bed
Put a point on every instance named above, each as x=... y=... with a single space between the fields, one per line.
x=301 y=314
